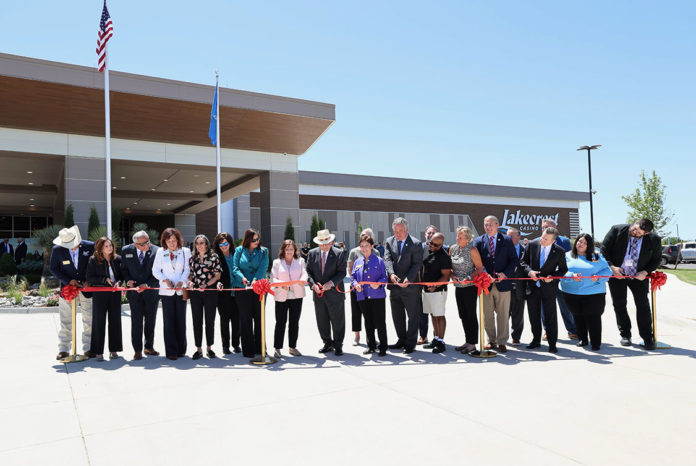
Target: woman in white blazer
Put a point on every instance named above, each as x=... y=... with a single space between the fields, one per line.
x=171 y=268
x=289 y=266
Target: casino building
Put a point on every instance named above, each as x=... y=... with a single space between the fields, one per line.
x=52 y=154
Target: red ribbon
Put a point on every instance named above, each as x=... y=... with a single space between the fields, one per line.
x=261 y=287
x=657 y=279
x=69 y=292
x=483 y=281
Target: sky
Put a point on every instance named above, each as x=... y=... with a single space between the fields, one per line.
x=485 y=92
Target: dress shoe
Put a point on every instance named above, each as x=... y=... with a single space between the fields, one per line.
x=581 y=343
x=369 y=351
x=515 y=342
x=382 y=352
x=625 y=341
x=113 y=355
x=502 y=349
x=595 y=347
x=573 y=336
x=439 y=347
x=151 y=352
x=468 y=348
x=326 y=349
x=431 y=345
x=649 y=346
x=182 y=355
x=338 y=351
x=226 y=350
x=211 y=354
x=197 y=355
x=460 y=348
x=491 y=346
x=422 y=341
x=544 y=336
x=100 y=358
x=533 y=345
x=61 y=355
x=237 y=349
x=396 y=346
x=172 y=358
x=138 y=356
x=277 y=354
x=408 y=350
x=553 y=349
x=295 y=352
x=90 y=354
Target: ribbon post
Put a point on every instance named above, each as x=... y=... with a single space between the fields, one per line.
x=657 y=279
x=69 y=293
x=261 y=287
x=483 y=282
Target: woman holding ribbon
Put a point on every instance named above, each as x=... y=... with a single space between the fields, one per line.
x=249 y=263
x=585 y=297
x=104 y=270
x=371 y=297
x=205 y=273
x=466 y=264
x=288 y=267
x=171 y=268
x=227 y=304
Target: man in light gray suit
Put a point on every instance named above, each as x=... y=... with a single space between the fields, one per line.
x=326 y=269
x=403 y=258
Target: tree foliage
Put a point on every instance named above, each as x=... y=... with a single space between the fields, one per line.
x=317 y=224
x=69 y=216
x=647 y=201
x=289 y=230
x=93 y=221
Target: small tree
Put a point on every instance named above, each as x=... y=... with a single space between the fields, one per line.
x=647 y=201
x=289 y=230
x=93 y=221
x=7 y=265
x=314 y=227
x=69 y=216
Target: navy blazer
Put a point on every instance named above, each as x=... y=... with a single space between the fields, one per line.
x=62 y=266
x=505 y=260
x=404 y=265
x=132 y=270
x=334 y=269
x=554 y=265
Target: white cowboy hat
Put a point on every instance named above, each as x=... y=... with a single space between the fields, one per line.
x=68 y=237
x=324 y=237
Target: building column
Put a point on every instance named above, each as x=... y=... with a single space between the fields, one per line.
x=85 y=181
x=280 y=199
x=242 y=215
x=186 y=224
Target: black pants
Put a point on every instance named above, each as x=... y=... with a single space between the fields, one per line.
x=587 y=311
x=404 y=303
x=106 y=304
x=174 y=320
x=203 y=302
x=143 y=307
x=355 y=313
x=282 y=309
x=545 y=294
x=639 y=289
x=250 y=321
x=375 y=319
x=466 y=305
x=424 y=319
x=517 y=312
x=330 y=312
x=229 y=316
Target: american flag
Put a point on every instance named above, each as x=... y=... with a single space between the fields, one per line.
x=106 y=30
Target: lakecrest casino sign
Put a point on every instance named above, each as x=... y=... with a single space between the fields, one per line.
x=528 y=222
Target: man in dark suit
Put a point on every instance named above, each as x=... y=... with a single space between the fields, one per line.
x=6 y=247
x=136 y=260
x=69 y=258
x=326 y=269
x=632 y=250
x=20 y=251
x=517 y=297
x=544 y=258
x=403 y=259
x=499 y=259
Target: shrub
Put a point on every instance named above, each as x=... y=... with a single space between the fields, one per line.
x=98 y=232
x=52 y=302
x=93 y=221
x=7 y=265
x=44 y=290
x=69 y=216
x=16 y=295
x=30 y=266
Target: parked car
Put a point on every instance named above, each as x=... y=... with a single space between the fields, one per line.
x=669 y=254
x=688 y=252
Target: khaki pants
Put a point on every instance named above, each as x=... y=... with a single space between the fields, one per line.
x=84 y=305
x=497 y=302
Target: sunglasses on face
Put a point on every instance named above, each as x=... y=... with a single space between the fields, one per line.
x=142 y=244
x=224 y=244
x=200 y=243
x=255 y=240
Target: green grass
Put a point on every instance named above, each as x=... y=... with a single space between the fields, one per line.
x=688 y=276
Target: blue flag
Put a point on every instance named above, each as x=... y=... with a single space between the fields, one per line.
x=212 y=131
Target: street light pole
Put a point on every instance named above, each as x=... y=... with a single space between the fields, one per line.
x=589 y=172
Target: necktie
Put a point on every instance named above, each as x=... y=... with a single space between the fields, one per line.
x=399 y=244
x=633 y=255
x=542 y=260
x=141 y=256
x=323 y=262
x=492 y=246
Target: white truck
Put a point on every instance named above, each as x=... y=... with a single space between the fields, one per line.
x=688 y=252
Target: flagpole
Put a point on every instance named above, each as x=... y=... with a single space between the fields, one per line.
x=217 y=151
x=107 y=134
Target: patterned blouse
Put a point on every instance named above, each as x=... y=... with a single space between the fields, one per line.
x=462 y=265
x=203 y=270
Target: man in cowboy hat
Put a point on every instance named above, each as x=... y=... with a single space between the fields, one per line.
x=326 y=269
x=69 y=259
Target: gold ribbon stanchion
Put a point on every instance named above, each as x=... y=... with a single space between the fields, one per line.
x=658 y=343
x=264 y=358
x=483 y=353
x=74 y=357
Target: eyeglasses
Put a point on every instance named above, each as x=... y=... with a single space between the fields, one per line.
x=224 y=244
x=200 y=243
x=255 y=240
x=435 y=245
x=142 y=244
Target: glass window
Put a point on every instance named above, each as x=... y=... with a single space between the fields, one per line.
x=5 y=234
x=37 y=223
x=21 y=223
x=5 y=222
